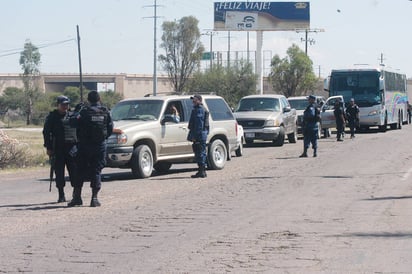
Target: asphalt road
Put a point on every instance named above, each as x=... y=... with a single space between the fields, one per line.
x=346 y=211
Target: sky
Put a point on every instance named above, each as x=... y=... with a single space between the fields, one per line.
x=117 y=36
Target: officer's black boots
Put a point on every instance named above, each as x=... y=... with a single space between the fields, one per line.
x=201 y=173
x=61 y=199
x=94 y=202
x=315 y=152
x=304 y=154
x=77 y=197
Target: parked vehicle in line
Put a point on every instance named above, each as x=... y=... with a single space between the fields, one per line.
x=146 y=137
x=300 y=103
x=267 y=117
x=240 y=141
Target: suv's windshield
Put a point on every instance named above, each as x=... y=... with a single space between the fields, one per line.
x=137 y=110
x=258 y=104
x=298 y=104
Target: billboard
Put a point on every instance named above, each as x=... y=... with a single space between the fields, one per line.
x=268 y=16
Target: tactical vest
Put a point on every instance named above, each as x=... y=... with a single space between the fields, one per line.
x=94 y=127
x=70 y=135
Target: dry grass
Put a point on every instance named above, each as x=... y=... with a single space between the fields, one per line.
x=33 y=137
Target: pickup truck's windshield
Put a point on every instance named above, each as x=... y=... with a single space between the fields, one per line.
x=298 y=104
x=258 y=104
x=137 y=110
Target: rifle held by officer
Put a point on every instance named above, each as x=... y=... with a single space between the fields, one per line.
x=52 y=161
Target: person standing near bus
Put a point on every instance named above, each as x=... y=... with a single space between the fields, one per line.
x=340 y=120
x=352 y=114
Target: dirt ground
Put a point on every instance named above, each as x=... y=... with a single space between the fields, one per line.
x=269 y=211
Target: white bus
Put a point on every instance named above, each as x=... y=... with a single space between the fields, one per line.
x=380 y=94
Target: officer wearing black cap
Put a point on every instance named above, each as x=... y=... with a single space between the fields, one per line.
x=198 y=131
x=311 y=118
x=60 y=140
x=94 y=126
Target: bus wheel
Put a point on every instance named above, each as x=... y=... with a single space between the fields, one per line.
x=400 y=118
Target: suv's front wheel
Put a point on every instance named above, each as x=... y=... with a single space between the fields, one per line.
x=217 y=154
x=142 y=162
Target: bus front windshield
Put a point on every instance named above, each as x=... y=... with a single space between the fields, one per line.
x=363 y=86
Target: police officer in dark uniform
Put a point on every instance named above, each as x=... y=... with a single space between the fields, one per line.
x=340 y=120
x=60 y=140
x=311 y=118
x=198 y=131
x=94 y=126
x=352 y=114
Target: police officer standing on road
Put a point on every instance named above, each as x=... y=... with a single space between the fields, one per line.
x=198 y=131
x=340 y=120
x=60 y=140
x=352 y=114
x=311 y=117
x=94 y=126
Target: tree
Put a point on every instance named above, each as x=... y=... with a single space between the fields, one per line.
x=110 y=98
x=232 y=83
x=30 y=62
x=183 y=50
x=12 y=98
x=293 y=75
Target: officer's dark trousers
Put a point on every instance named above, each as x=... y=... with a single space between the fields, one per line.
x=63 y=159
x=310 y=135
x=92 y=159
x=340 y=129
x=199 y=149
x=352 y=126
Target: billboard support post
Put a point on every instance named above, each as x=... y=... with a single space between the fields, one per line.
x=259 y=45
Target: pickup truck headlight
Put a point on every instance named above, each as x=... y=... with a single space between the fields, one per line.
x=374 y=112
x=117 y=137
x=271 y=123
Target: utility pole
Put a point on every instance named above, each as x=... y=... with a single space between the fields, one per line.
x=154 y=46
x=381 y=61
x=307 y=40
x=210 y=33
x=80 y=64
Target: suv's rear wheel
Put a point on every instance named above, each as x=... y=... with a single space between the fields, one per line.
x=217 y=154
x=162 y=167
x=142 y=162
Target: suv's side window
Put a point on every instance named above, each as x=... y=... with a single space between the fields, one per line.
x=177 y=104
x=219 y=110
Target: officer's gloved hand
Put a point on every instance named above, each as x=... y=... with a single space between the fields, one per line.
x=78 y=107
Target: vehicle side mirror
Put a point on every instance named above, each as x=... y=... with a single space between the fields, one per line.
x=286 y=109
x=381 y=84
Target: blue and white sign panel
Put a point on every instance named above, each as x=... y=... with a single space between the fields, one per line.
x=269 y=16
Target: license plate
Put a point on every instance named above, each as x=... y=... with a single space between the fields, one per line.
x=249 y=135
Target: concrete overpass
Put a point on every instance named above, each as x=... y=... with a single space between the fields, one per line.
x=129 y=85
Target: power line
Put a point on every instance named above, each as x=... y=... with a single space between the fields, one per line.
x=19 y=50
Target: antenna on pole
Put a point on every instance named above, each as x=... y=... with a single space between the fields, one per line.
x=80 y=64
x=311 y=41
